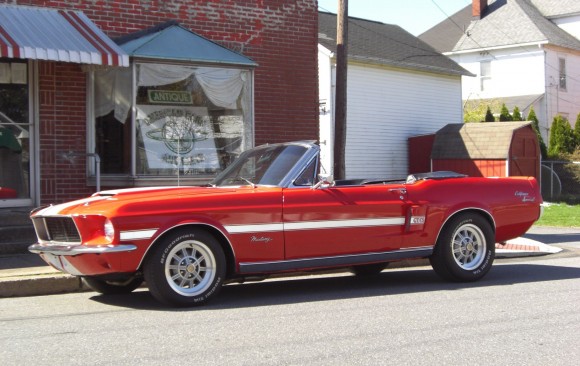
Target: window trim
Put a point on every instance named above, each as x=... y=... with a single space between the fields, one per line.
x=132 y=179
x=34 y=142
x=562 y=79
x=482 y=77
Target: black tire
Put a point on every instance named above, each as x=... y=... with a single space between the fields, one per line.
x=368 y=269
x=465 y=249
x=187 y=268
x=113 y=287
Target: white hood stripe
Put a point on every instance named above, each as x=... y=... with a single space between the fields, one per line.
x=56 y=209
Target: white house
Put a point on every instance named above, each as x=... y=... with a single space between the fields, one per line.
x=397 y=87
x=524 y=53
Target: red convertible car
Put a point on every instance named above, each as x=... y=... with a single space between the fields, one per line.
x=271 y=212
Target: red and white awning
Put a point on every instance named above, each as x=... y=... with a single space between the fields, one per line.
x=55 y=35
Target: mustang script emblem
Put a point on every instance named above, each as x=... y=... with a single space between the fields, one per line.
x=261 y=239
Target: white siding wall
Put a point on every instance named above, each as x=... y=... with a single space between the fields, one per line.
x=513 y=72
x=563 y=102
x=386 y=107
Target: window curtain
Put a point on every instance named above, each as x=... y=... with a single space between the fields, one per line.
x=221 y=86
x=113 y=93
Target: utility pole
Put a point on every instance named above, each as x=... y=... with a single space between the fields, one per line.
x=340 y=99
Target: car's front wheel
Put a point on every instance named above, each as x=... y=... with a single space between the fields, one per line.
x=465 y=249
x=187 y=268
x=113 y=287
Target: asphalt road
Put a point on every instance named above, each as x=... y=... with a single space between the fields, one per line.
x=524 y=312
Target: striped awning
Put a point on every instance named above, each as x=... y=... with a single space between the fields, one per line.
x=55 y=35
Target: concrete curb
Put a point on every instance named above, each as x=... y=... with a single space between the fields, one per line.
x=40 y=284
x=520 y=247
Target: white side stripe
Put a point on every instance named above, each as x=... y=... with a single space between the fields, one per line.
x=262 y=228
x=305 y=225
x=137 y=234
x=313 y=225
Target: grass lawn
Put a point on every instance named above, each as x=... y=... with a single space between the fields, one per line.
x=560 y=214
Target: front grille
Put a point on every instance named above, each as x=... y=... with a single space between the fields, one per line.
x=57 y=229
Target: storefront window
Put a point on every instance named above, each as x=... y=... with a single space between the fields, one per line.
x=14 y=132
x=189 y=121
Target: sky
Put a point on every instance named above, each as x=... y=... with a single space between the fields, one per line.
x=415 y=16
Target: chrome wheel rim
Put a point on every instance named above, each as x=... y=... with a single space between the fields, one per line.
x=468 y=246
x=190 y=268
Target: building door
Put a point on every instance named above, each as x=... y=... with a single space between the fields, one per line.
x=15 y=134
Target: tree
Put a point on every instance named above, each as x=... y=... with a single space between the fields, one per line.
x=475 y=110
x=577 y=131
x=561 y=137
x=536 y=126
x=489 y=116
x=505 y=115
x=517 y=116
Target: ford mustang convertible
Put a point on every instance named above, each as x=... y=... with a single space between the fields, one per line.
x=271 y=211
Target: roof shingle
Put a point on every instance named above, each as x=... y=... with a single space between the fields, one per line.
x=386 y=44
x=486 y=140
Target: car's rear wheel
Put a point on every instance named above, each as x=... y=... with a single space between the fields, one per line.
x=465 y=249
x=113 y=287
x=187 y=268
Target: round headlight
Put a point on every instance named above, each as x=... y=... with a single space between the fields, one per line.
x=109 y=230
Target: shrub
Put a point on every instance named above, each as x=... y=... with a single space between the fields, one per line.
x=489 y=116
x=505 y=115
x=536 y=126
x=517 y=116
x=561 y=137
x=577 y=131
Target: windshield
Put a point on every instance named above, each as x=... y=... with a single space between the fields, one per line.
x=266 y=165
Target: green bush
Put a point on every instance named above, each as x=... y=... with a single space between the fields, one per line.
x=517 y=116
x=504 y=115
x=562 y=139
x=577 y=132
x=536 y=126
x=489 y=115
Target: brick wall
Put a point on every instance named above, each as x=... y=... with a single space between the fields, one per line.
x=62 y=111
x=280 y=35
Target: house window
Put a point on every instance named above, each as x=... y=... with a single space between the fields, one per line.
x=185 y=122
x=562 y=76
x=485 y=75
x=16 y=137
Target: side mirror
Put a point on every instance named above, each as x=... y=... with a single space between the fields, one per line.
x=324 y=181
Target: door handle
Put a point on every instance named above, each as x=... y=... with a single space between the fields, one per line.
x=401 y=191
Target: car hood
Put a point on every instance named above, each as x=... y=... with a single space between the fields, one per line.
x=104 y=202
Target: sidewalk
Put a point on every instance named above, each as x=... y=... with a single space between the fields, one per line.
x=29 y=275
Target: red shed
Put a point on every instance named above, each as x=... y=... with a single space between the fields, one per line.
x=491 y=149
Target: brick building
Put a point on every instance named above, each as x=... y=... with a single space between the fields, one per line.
x=168 y=92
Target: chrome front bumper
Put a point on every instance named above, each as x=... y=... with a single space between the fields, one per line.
x=61 y=249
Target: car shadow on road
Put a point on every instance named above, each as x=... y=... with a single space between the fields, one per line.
x=311 y=288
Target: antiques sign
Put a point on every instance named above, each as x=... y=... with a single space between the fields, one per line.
x=169 y=97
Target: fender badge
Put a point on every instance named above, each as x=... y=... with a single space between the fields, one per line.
x=525 y=196
x=261 y=239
